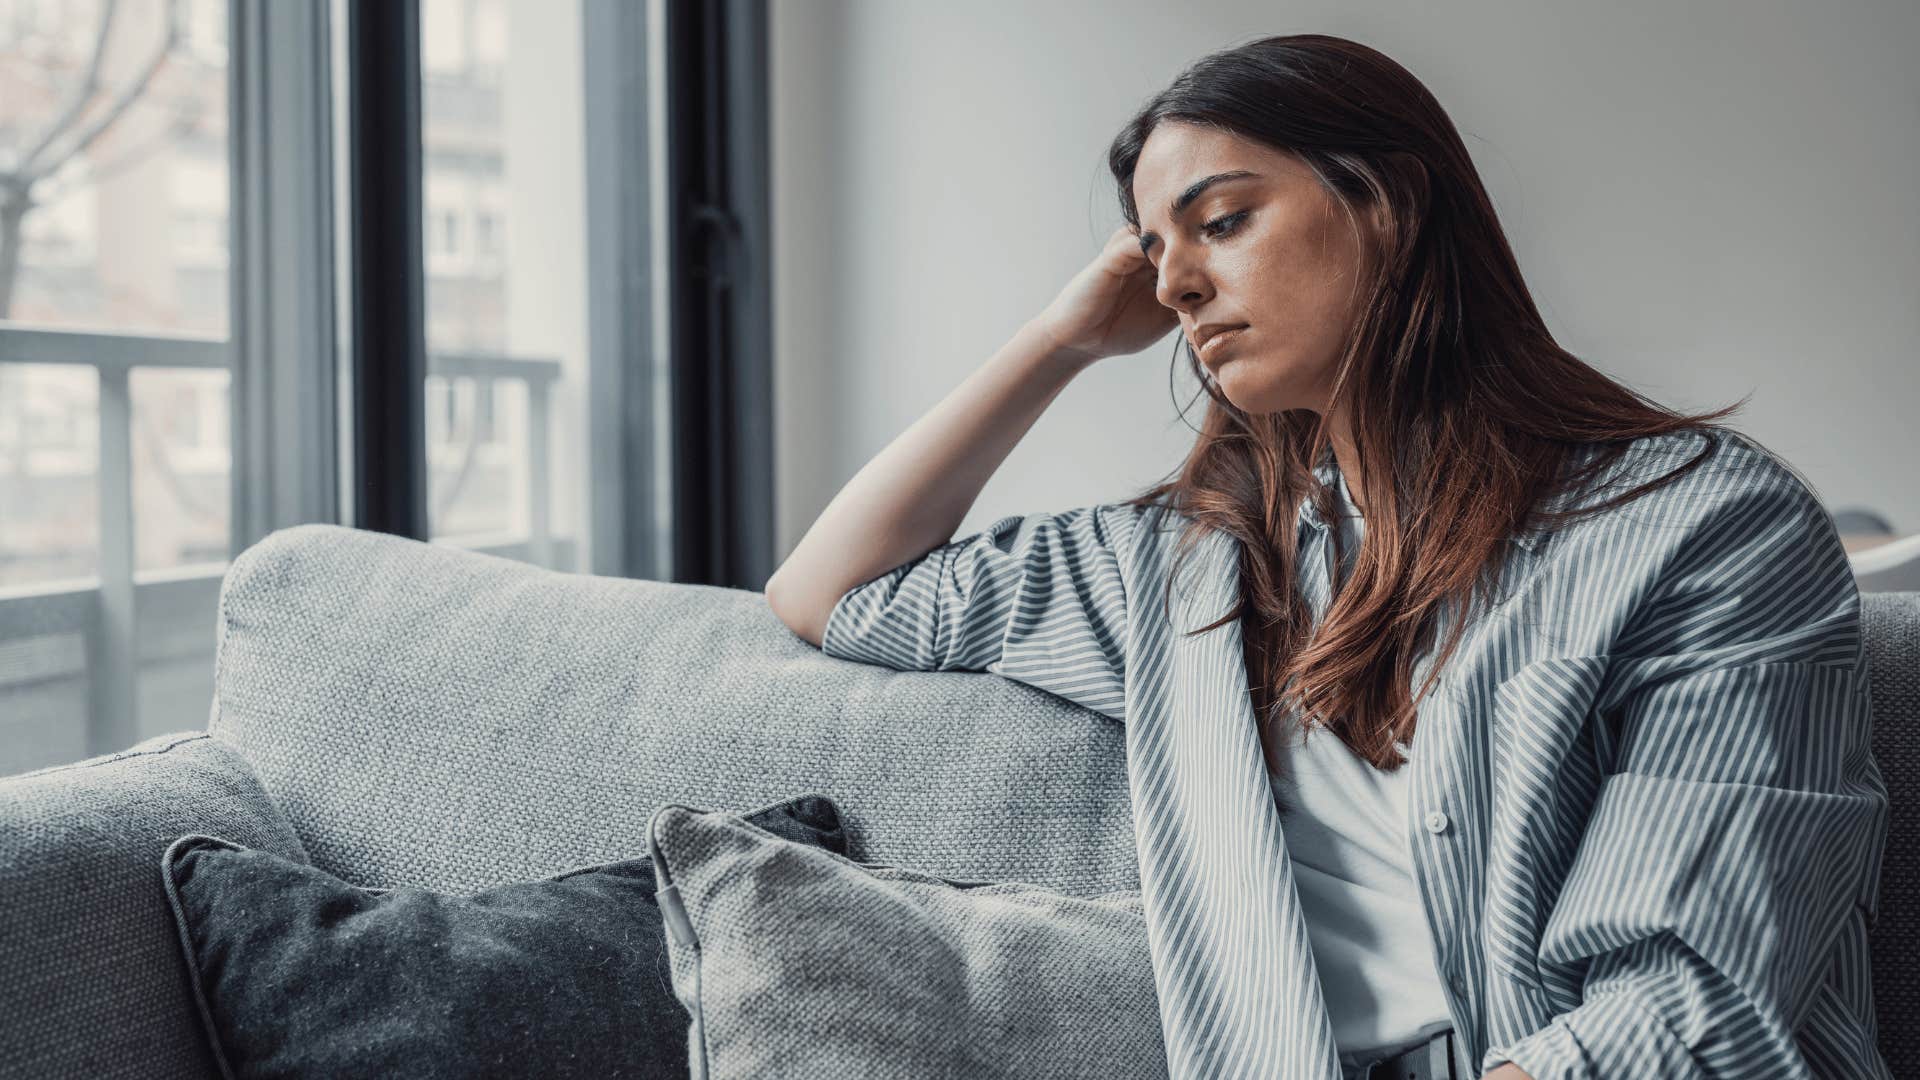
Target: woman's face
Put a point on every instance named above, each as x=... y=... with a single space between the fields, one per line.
x=1272 y=252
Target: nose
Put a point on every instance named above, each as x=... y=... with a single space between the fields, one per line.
x=1182 y=284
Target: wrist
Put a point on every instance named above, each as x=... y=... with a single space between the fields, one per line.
x=1039 y=338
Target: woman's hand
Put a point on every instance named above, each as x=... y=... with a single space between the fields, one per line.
x=1109 y=308
x=1506 y=1070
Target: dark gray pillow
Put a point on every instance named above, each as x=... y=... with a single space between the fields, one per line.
x=793 y=961
x=298 y=973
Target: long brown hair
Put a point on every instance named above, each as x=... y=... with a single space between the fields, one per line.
x=1467 y=418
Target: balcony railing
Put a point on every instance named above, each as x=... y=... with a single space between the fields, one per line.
x=87 y=628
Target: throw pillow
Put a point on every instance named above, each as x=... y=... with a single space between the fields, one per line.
x=795 y=961
x=298 y=973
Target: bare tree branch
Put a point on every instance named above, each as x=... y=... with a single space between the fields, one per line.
x=82 y=94
x=50 y=153
x=182 y=124
x=128 y=95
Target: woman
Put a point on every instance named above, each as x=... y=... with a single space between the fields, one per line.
x=1639 y=831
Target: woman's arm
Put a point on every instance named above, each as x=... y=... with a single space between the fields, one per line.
x=1736 y=837
x=911 y=497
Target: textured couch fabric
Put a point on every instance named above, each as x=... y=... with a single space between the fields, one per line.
x=795 y=961
x=301 y=974
x=435 y=717
x=427 y=716
x=92 y=982
x=1891 y=624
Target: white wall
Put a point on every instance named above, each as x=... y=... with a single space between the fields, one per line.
x=1706 y=199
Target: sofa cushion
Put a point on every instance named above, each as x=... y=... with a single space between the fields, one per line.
x=298 y=973
x=793 y=961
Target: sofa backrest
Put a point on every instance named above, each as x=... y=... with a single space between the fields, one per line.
x=430 y=716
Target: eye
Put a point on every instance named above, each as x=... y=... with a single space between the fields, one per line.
x=1215 y=229
x=1224 y=225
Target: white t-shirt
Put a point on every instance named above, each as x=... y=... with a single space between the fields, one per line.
x=1346 y=832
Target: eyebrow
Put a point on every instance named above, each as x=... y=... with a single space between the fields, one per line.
x=1185 y=199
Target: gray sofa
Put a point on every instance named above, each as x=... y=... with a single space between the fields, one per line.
x=398 y=713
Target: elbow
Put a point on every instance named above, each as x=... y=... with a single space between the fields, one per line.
x=797 y=617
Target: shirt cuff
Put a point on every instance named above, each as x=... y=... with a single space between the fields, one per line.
x=1606 y=1037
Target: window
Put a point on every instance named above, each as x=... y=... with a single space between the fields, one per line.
x=503 y=147
x=114 y=410
x=443 y=236
x=121 y=494
x=486 y=235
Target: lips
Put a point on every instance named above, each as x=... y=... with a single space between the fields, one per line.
x=1220 y=341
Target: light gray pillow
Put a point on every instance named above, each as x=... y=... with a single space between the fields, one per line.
x=796 y=961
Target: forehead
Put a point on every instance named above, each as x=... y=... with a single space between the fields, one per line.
x=1176 y=154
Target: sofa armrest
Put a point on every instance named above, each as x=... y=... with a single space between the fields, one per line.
x=94 y=983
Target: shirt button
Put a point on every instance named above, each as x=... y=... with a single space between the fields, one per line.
x=1436 y=821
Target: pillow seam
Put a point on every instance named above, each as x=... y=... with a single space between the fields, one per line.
x=188 y=952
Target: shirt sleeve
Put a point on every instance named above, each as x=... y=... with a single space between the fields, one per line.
x=1741 y=821
x=1038 y=598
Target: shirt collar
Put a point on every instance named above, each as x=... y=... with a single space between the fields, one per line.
x=1309 y=518
x=1329 y=474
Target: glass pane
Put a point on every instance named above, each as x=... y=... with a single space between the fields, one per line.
x=113 y=470
x=45 y=688
x=88 y=248
x=182 y=453
x=504 y=239
x=49 y=474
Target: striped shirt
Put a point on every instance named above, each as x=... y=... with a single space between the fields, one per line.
x=1346 y=827
x=1645 y=823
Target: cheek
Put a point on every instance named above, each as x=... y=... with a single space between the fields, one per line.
x=1295 y=262
x=1294 y=288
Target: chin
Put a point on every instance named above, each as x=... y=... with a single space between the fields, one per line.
x=1254 y=396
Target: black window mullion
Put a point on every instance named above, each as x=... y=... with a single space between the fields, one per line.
x=389 y=350
x=719 y=310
